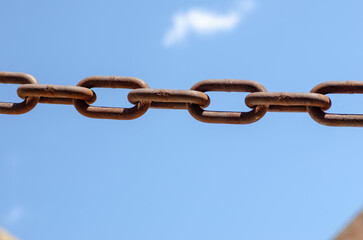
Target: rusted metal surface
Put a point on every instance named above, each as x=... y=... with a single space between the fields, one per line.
x=287 y=101
x=331 y=119
x=26 y=105
x=56 y=94
x=174 y=99
x=227 y=85
x=354 y=231
x=195 y=99
x=168 y=105
x=112 y=112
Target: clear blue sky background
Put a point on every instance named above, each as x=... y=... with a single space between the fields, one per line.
x=166 y=175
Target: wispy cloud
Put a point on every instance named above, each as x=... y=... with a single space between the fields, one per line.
x=202 y=22
x=14 y=214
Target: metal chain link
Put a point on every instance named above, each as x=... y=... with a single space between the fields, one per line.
x=194 y=100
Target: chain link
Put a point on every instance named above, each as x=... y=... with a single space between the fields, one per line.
x=194 y=100
x=329 y=119
x=25 y=106
x=227 y=85
x=169 y=98
x=287 y=101
x=56 y=94
x=111 y=112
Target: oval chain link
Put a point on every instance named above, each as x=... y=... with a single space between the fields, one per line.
x=56 y=94
x=287 y=101
x=168 y=98
x=112 y=112
x=332 y=119
x=18 y=108
x=227 y=85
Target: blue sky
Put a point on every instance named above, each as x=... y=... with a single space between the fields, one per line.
x=165 y=175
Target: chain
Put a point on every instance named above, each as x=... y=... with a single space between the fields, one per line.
x=194 y=100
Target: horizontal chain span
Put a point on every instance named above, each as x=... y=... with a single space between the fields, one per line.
x=194 y=100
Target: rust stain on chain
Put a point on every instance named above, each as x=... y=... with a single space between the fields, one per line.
x=194 y=100
x=169 y=98
x=287 y=101
x=56 y=94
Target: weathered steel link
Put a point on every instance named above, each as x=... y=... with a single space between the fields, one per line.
x=56 y=94
x=18 y=108
x=111 y=112
x=227 y=85
x=287 y=101
x=331 y=119
x=194 y=100
x=168 y=98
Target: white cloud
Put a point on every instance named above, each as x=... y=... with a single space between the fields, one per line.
x=204 y=22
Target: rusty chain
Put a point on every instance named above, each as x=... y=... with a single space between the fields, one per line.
x=194 y=100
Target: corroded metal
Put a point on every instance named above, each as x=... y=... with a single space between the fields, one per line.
x=56 y=94
x=287 y=101
x=168 y=98
x=332 y=119
x=354 y=231
x=25 y=106
x=112 y=112
x=227 y=85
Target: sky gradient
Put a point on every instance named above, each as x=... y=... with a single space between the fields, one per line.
x=165 y=175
